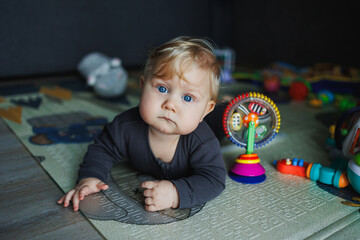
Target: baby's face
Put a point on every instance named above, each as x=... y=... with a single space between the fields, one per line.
x=176 y=106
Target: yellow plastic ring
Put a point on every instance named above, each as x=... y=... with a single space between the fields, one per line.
x=247 y=161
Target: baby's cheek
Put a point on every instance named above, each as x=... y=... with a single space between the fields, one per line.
x=145 y=111
x=189 y=124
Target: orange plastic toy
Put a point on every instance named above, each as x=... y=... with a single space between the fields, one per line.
x=313 y=171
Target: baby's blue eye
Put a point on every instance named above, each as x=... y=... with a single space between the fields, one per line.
x=187 y=98
x=162 y=89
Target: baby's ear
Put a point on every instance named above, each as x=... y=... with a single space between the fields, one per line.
x=142 y=79
x=209 y=108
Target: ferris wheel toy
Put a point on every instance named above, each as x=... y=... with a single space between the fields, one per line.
x=250 y=120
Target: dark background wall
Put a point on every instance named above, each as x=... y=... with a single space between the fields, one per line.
x=51 y=36
x=298 y=32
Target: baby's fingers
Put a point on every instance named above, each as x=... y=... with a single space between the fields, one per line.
x=61 y=200
x=84 y=191
x=151 y=208
x=102 y=186
x=149 y=201
x=148 y=193
x=75 y=201
x=148 y=184
x=68 y=197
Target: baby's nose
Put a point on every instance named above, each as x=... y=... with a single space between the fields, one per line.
x=169 y=105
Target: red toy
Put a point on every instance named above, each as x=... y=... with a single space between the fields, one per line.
x=298 y=91
x=295 y=167
x=272 y=84
x=313 y=171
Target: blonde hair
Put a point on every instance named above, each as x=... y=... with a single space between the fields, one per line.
x=177 y=55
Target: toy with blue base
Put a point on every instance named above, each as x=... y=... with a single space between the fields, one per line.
x=250 y=120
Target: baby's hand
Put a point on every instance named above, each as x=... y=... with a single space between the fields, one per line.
x=160 y=195
x=85 y=187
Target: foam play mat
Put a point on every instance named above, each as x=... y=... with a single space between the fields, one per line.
x=58 y=131
x=124 y=201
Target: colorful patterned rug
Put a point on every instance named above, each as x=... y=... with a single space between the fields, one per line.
x=282 y=207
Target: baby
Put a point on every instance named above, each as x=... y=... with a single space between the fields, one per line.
x=165 y=136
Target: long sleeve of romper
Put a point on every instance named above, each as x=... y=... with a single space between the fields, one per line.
x=207 y=175
x=103 y=153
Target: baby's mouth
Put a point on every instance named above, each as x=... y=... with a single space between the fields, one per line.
x=167 y=119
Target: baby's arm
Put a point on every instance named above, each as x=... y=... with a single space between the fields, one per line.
x=85 y=187
x=207 y=175
x=108 y=148
x=160 y=195
x=97 y=163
